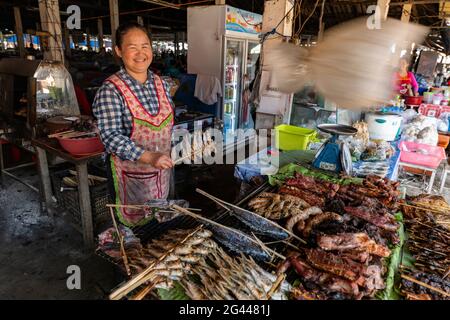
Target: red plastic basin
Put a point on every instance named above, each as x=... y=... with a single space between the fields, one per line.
x=415 y=101
x=82 y=146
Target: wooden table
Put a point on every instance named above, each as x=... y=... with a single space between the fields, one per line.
x=44 y=145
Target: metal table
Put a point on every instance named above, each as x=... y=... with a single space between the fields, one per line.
x=44 y=145
x=432 y=170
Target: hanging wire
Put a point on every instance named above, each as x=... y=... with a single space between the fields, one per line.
x=274 y=30
x=310 y=15
x=148 y=10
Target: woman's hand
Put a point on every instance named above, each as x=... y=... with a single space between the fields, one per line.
x=156 y=160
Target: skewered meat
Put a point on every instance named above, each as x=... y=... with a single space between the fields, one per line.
x=276 y=206
x=170 y=257
x=310 y=197
x=224 y=277
x=346 y=241
x=309 y=183
x=409 y=287
x=305 y=214
x=367 y=214
x=318 y=219
x=373 y=278
x=300 y=293
x=355 y=255
x=335 y=264
x=328 y=281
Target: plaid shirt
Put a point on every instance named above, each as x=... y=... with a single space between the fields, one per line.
x=115 y=120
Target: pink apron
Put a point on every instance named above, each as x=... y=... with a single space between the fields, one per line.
x=136 y=183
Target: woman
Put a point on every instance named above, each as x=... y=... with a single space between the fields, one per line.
x=135 y=119
x=405 y=83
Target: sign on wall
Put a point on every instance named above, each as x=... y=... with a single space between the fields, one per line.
x=243 y=21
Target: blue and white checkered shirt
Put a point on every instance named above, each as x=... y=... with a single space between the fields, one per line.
x=115 y=120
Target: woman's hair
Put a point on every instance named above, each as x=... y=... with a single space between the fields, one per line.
x=125 y=27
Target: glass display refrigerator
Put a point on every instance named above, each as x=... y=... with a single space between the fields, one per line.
x=223 y=42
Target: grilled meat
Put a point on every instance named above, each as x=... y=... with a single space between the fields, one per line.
x=309 y=183
x=335 y=264
x=310 y=197
x=305 y=214
x=327 y=281
x=346 y=241
x=373 y=279
x=367 y=214
x=318 y=219
x=276 y=206
x=356 y=255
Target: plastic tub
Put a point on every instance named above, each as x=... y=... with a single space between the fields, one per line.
x=289 y=137
x=428 y=97
x=421 y=154
x=437 y=98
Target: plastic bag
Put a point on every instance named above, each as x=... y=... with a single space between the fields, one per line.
x=444 y=122
x=421 y=129
x=108 y=241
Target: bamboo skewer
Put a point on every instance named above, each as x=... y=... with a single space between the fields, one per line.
x=263 y=246
x=275 y=285
x=422 y=208
x=225 y=205
x=122 y=248
x=141 y=206
x=446 y=233
x=423 y=284
x=196 y=216
x=195 y=153
x=70 y=135
x=54 y=135
x=446 y=273
x=144 y=276
x=143 y=293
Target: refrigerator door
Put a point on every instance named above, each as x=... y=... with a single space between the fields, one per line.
x=252 y=53
x=233 y=60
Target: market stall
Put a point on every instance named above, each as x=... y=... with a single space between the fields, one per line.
x=348 y=244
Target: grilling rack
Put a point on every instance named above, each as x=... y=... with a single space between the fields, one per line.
x=153 y=229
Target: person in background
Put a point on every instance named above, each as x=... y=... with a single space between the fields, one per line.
x=439 y=79
x=135 y=118
x=405 y=83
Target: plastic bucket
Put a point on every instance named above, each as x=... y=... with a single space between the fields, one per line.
x=289 y=137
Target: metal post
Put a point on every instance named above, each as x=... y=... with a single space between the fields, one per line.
x=85 y=204
x=1 y=163
x=114 y=13
x=44 y=176
x=176 y=41
x=88 y=39
x=19 y=32
x=100 y=33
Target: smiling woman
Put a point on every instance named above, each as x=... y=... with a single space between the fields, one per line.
x=135 y=49
x=135 y=119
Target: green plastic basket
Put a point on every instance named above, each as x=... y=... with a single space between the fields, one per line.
x=289 y=137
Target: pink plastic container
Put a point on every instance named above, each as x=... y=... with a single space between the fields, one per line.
x=421 y=154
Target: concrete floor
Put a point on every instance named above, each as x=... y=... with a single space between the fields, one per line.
x=36 y=250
